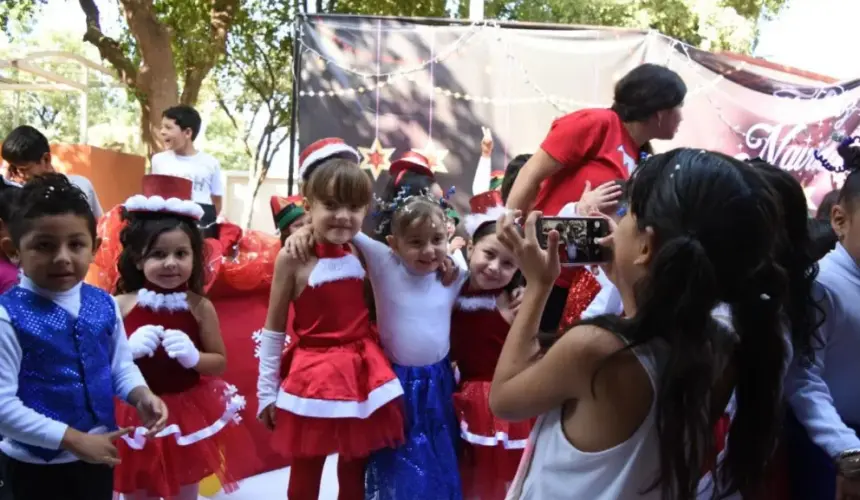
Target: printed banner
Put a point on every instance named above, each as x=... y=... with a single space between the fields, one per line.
x=389 y=86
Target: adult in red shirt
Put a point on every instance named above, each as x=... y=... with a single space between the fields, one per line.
x=601 y=145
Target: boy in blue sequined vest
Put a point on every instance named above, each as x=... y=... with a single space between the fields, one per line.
x=64 y=354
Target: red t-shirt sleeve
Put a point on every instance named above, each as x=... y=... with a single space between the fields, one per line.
x=574 y=137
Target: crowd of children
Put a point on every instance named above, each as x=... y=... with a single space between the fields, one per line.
x=441 y=357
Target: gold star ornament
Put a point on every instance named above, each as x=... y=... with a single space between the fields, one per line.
x=376 y=158
x=436 y=156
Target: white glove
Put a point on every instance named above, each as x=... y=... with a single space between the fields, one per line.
x=271 y=350
x=145 y=340
x=179 y=347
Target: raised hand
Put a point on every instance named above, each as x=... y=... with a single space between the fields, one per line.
x=537 y=264
x=601 y=199
x=486 y=142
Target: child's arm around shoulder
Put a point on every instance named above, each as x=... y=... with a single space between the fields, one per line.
x=17 y=421
x=213 y=357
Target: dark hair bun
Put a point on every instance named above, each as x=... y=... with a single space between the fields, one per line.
x=850 y=153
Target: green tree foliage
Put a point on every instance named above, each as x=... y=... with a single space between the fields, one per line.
x=709 y=24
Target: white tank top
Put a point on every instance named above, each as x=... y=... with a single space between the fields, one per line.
x=556 y=470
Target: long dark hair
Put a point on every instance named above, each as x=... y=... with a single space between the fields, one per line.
x=137 y=239
x=796 y=252
x=702 y=261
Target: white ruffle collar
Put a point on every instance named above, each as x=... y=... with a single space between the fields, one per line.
x=176 y=301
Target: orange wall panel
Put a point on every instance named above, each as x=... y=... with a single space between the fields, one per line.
x=115 y=175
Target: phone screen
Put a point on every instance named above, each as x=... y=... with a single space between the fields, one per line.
x=577 y=245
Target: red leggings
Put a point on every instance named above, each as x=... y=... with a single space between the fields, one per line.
x=306 y=475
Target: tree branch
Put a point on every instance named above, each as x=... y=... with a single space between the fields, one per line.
x=109 y=49
x=221 y=17
x=222 y=103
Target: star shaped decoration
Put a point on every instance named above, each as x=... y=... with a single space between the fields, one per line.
x=376 y=158
x=436 y=156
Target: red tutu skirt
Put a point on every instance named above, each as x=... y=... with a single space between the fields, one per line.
x=165 y=464
x=491 y=447
x=342 y=399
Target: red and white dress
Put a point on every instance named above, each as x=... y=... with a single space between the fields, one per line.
x=203 y=435
x=492 y=447
x=340 y=394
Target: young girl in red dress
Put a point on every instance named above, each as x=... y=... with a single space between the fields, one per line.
x=176 y=341
x=340 y=394
x=491 y=447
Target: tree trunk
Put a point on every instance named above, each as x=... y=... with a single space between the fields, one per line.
x=155 y=82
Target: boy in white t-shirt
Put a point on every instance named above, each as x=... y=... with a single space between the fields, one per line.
x=179 y=127
x=27 y=154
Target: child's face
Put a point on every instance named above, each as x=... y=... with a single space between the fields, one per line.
x=170 y=260
x=302 y=221
x=451 y=227
x=173 y=137
x=491 y=264
x=26 y=171
x=56 y=253
x=845 y=220
x=422 y=246
x=335 y=223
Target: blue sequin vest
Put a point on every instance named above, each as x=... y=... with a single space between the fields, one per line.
x=66 y=361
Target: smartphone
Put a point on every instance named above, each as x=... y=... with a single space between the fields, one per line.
x=577 y=244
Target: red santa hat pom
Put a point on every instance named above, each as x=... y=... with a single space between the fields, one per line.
x=411 y=161
x=321 y=150
x=165 y=193
x=486 y=207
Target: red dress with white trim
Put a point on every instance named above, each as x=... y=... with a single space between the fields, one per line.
x=340 y=394
x=203 y=434
x=492 y=447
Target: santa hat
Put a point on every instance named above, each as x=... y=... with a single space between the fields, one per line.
x=166 y=194
x=486 y=207
x=496 y=179
x=411 y=161
x=285 y=211
x=322 y=150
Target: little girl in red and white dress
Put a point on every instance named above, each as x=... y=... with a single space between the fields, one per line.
x=339 y=394
x=491 y=447
x=176 y=342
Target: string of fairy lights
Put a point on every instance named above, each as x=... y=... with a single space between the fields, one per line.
x=414 y=73
x=836 y=105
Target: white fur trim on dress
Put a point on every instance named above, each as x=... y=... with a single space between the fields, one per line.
x=339 y=268
x=140 y=203
x=325 y=408
x=235 y=404
x=176 y=301
x=480 y=303
x=501 y=438
x=474 y=221
x=325 y=152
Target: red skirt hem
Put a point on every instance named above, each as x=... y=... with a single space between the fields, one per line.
x=297 y=436
x=162 y=467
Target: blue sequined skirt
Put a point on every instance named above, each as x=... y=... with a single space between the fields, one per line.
x=425 y=467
